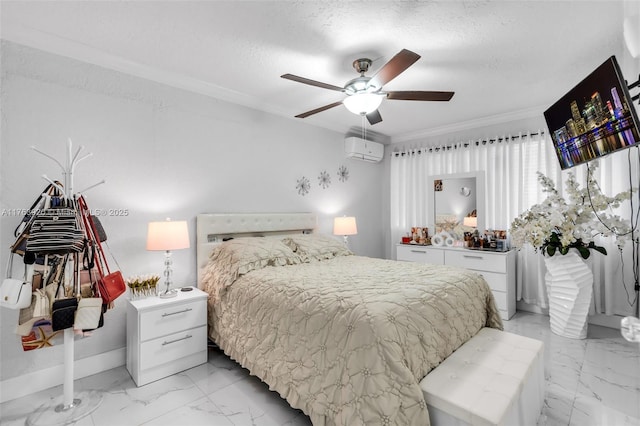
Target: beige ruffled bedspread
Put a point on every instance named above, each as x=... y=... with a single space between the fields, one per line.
x=348 y=339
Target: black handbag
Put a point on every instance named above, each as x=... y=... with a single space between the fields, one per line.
x=63 y=313
x=102 y=235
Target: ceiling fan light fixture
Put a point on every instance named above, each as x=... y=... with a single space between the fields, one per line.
x=363 y=103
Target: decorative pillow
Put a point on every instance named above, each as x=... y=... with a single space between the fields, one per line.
x=240 y=256
x=316 y=247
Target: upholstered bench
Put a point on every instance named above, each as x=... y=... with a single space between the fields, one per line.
x=496 y=378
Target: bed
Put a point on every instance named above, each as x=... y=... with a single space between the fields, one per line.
x=344 y=338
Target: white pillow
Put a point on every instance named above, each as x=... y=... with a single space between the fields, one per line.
x=316 y=246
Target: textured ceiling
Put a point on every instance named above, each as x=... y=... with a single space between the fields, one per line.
x=504 y=59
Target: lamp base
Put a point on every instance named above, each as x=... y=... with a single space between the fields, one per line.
x=168 y=294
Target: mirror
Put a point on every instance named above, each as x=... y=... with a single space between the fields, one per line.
x=453 y=197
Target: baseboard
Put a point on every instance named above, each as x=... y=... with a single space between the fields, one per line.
x=610 y=321
x=528 y=307
x=26 y=384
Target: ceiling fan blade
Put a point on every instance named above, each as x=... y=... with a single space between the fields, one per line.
x=312 y=82
x=374 y=117
x=419 y=95
x=393 y=68
x=317 y=110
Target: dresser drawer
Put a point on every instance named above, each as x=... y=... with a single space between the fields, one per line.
x=172 y=318
x=420 y=254
x=477 y=260
x=501 y=300
x=497 y=282
x=173 y=346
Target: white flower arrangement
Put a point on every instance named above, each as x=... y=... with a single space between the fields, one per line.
x=558 y=225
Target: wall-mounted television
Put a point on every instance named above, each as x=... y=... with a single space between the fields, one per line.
x=595 y=118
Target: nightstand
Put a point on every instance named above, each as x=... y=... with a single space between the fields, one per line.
x=166 y=336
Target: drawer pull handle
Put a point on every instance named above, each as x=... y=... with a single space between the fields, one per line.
x=177 y=312
x=188 y=336
x=473 y=257
x=419 y=251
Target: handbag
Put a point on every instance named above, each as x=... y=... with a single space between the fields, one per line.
x=14 y=293
x=22 y=230
x=42 y=307
x=89 y=273
x=111 y=286
x=56 y=231
x=101 y=234
x=88 y=276
x=63 y=313
x=88 y=314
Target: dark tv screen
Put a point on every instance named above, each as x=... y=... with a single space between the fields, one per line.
x=597 y=117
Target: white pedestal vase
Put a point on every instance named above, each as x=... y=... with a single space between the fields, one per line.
x=569 y=283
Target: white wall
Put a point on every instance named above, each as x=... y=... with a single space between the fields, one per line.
x=164 y=152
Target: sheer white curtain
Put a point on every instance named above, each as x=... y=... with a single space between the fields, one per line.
x=510 y=166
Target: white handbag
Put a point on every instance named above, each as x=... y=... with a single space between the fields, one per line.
x=14 y=293
x=88 y=314
x=42 y=307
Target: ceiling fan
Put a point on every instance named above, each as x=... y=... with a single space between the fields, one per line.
x=365 y=94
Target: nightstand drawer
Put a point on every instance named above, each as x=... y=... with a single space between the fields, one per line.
x=173 y=346
x=420 y=254
x=172 y=318
x=477 y=260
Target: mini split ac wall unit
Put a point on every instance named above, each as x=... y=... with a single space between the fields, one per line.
x=362 y=149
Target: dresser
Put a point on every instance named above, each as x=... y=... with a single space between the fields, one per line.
x=166 y=336
x=497 y=268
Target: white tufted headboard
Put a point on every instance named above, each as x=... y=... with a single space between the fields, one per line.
x=211 y=228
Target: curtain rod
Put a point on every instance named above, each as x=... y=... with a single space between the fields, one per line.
x=465 y=144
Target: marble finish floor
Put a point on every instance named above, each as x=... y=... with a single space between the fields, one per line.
x=589 y=382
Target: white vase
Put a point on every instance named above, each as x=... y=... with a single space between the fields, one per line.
x=569 y=283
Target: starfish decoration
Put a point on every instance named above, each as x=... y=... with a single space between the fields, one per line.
x=43 y=341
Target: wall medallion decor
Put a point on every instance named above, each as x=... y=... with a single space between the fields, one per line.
x=324 y=180
x=303 y=186
x=343 y=173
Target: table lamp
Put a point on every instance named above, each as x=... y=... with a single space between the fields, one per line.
x=166 y=236
x=470 y=221
x=345 y=226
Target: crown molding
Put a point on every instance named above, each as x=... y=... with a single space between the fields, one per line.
x=60 y=46
x=51 y=43
x=532 y=112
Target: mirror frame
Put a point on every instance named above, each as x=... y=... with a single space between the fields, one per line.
x=480 y=197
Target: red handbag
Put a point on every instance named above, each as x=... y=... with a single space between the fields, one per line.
x=111 y=286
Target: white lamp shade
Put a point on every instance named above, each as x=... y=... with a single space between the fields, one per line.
x=363 y=103
x=168 y=235
x=470 y=221
x=345 y=226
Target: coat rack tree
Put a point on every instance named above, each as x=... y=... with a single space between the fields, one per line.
x=73 y=407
